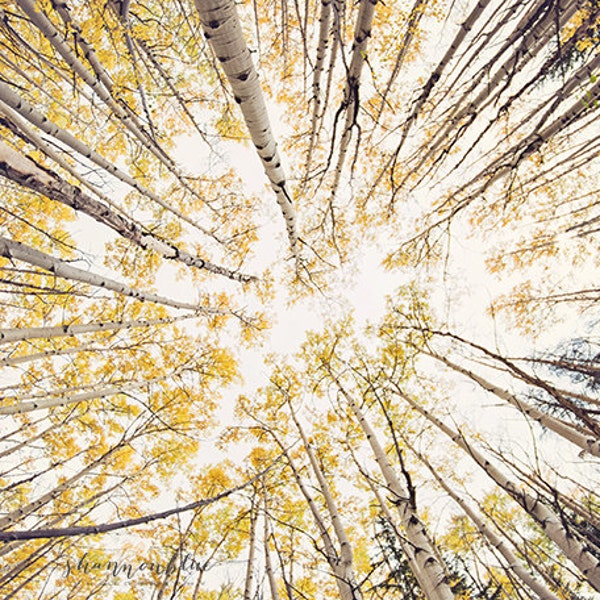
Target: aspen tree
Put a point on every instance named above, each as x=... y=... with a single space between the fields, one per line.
x=550 y=523
x=223 y=31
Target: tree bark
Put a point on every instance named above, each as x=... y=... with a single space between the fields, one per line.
x=223 y=31
x=431 y=573
x=17 y=251
x=551 y=524
x=24 y=171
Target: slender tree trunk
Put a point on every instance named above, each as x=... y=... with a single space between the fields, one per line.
x=19 y=334
x=407 y=548
x=96 y=529
x=63 y=399
x=15 y=250
x=249 y=579
x=588 y=443
x=268 y=562
x=31 y=114
x=513 y=564
x=223 y=31
x=22 y=170
x=330 y=552
x=430 y=571
x=551 y=524
x=345 y=570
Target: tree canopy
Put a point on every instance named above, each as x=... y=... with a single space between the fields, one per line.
x=299 y=299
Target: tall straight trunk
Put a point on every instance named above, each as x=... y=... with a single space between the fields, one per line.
x=29 y=440
x=513 y=563
x=436 y=74
x=22 y=170
x=91 y=502
x=330 y=552
x=552 y=525
x=350 y=102
x=62 y=399
x=249 y=579
x=345 y=563
x=99 y=82
x=588 y=443
x=407 y=548
x=266 y=537
x=30 y=113
x=17 y=515
x=19 y=360
x=19 y=334
x=223 y=31
x=15 y=250
x=324 y=34
x=33 y=534
x=430 y=572
x=416 y=13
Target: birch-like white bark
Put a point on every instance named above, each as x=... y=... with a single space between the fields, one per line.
x=435 y=76
x=362 y=32
x=266 y=537
x=100 y=82
x=588 y=443
x=324 y=26
x=330 y=552
x=513 y=563
x=249 y=580
x=31 y=440
x=534 y=141
x=407 y=548
x=19 y=127
x=18 y=251
x=524 y=30
x=534 y=40
x=430 y=573
x=95 y=529
x=18 y=334
x=417 y=11
x=62 y=399
x=171 y=85
x=20 y=513
x=29 y=112
x=24 y=171
x=223 y=31
x=551 y=524
x=19 y=360
x=345 y=569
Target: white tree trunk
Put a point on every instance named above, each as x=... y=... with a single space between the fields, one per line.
x=62 y=399
x=17 y=251
x=330 y=552
x=17 y=515
x=100 y=82
x=514 y=564
x=345 y=570
x=551 y=524
x=249 y=580
x=22 y=170
x=362 y=33
x=431 y=573
x=268 y=562
x=407 y=548
x=223 y=31
x=587 y=443
x=19 y=334
x=324 y=25
x=29 y=112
